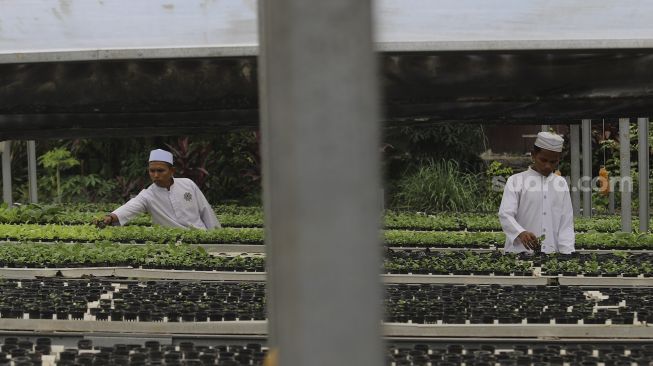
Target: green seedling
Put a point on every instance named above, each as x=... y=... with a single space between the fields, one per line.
x=540 y=240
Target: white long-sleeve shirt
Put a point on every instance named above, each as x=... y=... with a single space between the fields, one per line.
x=541 y=205
x=183 y=206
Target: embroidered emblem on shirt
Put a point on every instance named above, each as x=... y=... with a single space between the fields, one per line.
x=188 y=197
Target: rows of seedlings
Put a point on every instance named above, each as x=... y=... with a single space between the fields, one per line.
x=422 y=262
x=44 y=351
x=153 y=301
x=142 y=304
x=519 y=353
x=210 y=301
x=255 y=236
x=621 y=264
x=239 y=216
x=195 y=258
x=497 y=304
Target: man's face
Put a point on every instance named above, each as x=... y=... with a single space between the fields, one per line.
x=545 y=162
x=160 y=173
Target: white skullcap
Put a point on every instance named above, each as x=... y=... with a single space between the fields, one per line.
x=549 y=141
x=161 y=155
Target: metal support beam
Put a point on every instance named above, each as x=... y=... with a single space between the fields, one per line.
x=6 y=172
x=574 y=147
x=587 y=167
x=321 y=180
x=625 y=185
x=31 y=171
x=643 y=167
x=611 y=202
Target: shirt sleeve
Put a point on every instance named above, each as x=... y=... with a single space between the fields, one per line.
x=508 y=211
x=566 y=236
x=206 y=211
x=133 y=207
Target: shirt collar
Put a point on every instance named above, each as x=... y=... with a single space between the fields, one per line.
x=532 y=171
x=164 y=189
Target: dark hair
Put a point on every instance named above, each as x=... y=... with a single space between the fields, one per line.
x=536 y=149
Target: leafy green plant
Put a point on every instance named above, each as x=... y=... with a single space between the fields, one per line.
x=494 y=173
x=438 y=186
x=58 y=159
x=191 y=159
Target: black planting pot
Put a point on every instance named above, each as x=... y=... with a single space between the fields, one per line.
x=18 y=352
x=26 y=345
x=68 y=355
x=8 y=347
x=144 y=316
x=77 y=314
x=201 y=316
x=117 y=315
x=130 y=315
x=186 y=346
x=85 y=344
x=156 y=316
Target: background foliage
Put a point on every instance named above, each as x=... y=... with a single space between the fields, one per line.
x=426 y=167
x=226 y=167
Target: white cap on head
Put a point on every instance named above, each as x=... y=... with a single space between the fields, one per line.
x=549 y=141
x=161 y=155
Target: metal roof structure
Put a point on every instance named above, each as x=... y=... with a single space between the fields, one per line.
x=97 y=68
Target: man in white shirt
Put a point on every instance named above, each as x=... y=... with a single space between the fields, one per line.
x=172 y=202
x=537 y=203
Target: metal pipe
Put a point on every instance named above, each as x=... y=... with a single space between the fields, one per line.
x=31 y=171
x=643 y=167
x=574 y=142
x=587 y=167
x=321 y=176
x=626 y=184
x=6 y=172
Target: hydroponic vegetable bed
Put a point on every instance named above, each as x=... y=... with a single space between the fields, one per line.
x=444 y=276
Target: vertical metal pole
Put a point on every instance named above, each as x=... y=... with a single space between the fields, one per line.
x=611 y=202
x=643 y=167
x=6 y=172
x=31 y=171
x=321 y=170
x=626 y=184
x=587 y=167
x=574 y=137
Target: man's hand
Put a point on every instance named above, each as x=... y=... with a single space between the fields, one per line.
x=529 y=240
x=107 y=220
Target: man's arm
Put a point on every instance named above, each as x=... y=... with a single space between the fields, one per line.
x=123 y=214
x=508 y=212
x=206 y=211
x=566 y=236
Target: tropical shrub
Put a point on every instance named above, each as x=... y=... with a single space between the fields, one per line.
x=438 y=186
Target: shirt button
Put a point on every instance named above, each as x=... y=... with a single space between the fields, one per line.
x=544 y=230
x=545 y=196
x=544 y=214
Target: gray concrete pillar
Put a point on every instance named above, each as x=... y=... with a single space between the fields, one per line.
x=31 y=172
x=643 y=167
x=321 y=178
x=6 y=173
x=586 y=179
x=574 y=147
x=625 y=186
